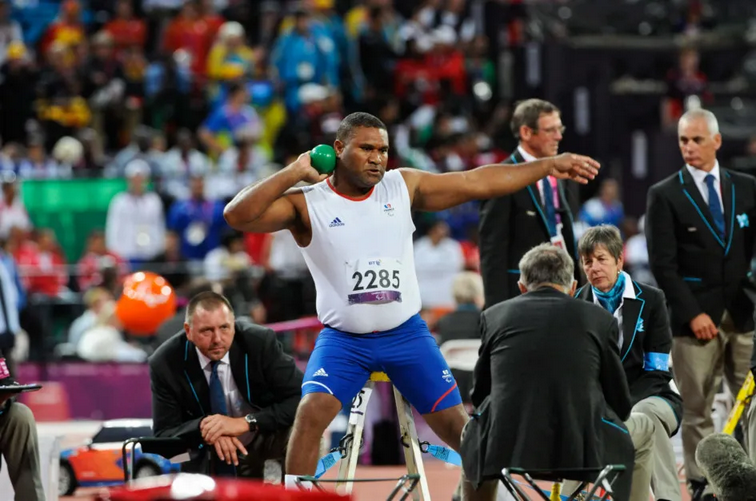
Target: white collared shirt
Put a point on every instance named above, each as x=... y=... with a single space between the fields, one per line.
x=699 y=177
x=628 y=293
x=135 y=225
x=235 y=403
x=530 y=158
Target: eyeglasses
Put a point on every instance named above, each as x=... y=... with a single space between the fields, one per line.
x=552 y=130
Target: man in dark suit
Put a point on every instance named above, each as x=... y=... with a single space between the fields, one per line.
x=513 y=224
x=549 y=390
x=225 y=382
x=700 y=244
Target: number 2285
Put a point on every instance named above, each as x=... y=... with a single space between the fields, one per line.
x=382 y=279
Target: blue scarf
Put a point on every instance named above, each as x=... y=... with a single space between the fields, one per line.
x=612 y=299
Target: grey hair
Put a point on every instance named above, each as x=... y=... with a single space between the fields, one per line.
x=528 y=112
x=604 y=234
x=467 y=287
x=711 y=120
x=546 y=264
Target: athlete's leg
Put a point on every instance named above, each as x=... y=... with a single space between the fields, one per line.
x=314 y=414
x=448 y=424
x=338 y=368
x=414 y=363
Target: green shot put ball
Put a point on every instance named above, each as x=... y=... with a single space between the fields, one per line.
x=323 y=158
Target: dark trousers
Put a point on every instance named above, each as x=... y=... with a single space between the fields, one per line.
x=264 y=447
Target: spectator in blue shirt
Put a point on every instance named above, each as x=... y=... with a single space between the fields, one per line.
x=220 y=128
x=198 y=221
x=605 y=208
x=306 y=54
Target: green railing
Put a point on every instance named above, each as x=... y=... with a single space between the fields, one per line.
x=72 y=208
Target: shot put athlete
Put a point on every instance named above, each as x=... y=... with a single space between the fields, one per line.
x=354 y=229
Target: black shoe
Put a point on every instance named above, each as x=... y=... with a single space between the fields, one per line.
x=697 y=488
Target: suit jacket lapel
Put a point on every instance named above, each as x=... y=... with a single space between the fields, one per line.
x=631 y=310
x=535 y=194
x=195 y=378
x=516 y=158
x=728 y=202
x=700 y=206
x=566 y=213
x=239 y=370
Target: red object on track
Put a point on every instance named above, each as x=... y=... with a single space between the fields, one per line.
x=193 y=487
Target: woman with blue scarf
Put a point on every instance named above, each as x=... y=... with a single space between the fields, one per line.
x=644 y=344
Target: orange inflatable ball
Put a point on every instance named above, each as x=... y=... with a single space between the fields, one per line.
x=147 y=301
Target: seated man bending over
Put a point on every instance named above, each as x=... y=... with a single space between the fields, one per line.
x=227 y=383
x=549 y=390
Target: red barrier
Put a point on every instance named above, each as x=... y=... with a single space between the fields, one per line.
x=304 y=331
x=203 y=488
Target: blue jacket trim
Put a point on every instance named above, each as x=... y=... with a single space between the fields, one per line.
x=615 y=425
x=640 y=314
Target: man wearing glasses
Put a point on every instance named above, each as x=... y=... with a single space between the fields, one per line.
x=543 y=212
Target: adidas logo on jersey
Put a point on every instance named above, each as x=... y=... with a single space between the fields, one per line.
x=336 y=222
x=320 y=372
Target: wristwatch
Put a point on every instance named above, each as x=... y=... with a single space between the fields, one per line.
x=251 y=421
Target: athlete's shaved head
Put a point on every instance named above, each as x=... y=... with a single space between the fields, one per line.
x=356 y=120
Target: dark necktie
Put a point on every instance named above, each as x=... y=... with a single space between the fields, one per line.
x=217 y=396
x=714 y=206
x=548 y=205
x=218 y=406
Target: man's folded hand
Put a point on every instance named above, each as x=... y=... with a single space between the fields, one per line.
x=216 y=426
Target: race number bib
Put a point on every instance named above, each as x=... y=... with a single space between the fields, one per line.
x=374 y=281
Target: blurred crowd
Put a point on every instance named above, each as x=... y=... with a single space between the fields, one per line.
x=191 y=100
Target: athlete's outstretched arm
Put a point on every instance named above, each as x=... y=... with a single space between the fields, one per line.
x=266 y=206
x=435 y=192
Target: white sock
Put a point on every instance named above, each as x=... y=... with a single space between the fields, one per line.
x=291 y=483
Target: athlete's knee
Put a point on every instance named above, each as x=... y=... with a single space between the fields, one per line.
x=448 y=424
x=316 y=411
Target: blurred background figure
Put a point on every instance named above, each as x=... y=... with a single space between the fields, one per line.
x=606 y=208
x=438 y=259
x=104 y=341
x=135 y=227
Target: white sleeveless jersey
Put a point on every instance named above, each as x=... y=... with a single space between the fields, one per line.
x=361 y=256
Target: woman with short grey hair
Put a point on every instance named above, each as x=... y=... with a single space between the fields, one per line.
x=645 y=340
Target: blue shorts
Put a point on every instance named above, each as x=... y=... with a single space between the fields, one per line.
x=341 y=364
